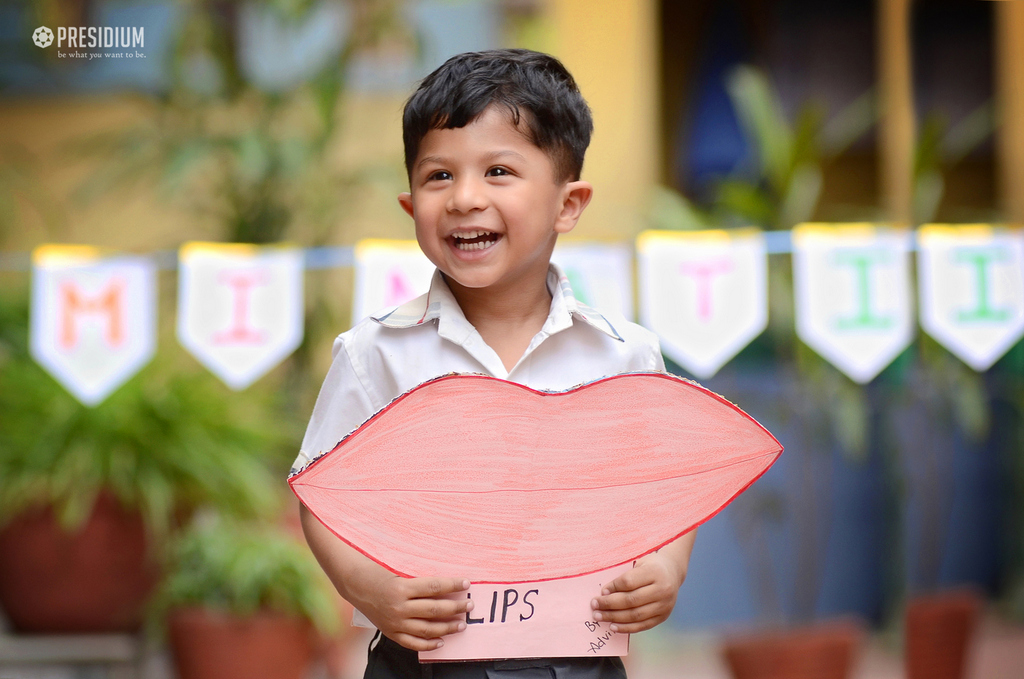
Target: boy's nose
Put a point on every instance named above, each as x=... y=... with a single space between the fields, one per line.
x=467 y=195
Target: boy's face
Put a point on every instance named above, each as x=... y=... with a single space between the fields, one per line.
x=487 y=205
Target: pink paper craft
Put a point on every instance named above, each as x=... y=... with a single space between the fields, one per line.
x=548 y=619
x=472 y=476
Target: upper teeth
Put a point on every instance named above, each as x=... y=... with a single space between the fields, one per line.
x=471 y=234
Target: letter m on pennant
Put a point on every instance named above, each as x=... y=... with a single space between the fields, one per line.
x=93 y=322
x=109 y=305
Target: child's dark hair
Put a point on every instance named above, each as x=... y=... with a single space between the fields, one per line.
x=535 y=88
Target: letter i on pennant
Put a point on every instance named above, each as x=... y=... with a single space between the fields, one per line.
x=853 y=294
x=971 y=282
x=240 y=308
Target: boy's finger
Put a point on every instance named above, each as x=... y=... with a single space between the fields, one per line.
x=435 y=587
x=414 y=643
x=429 y=629
x=634 y=627
x=619 y=601
x=436 y=609
x=630 y=615
x=630 y=580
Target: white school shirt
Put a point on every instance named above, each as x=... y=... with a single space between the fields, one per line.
x=388 y=354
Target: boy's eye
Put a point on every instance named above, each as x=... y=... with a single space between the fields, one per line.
x=498 y=172
x=440 y=175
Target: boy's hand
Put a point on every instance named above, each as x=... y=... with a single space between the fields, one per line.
x=416 y=612
x=413 y=612
x=644 y=596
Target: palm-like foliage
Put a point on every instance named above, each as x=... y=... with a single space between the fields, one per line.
x=242 y=568
x=254 y=158
x=166 y=442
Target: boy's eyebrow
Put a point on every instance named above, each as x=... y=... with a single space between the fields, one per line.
x=507 y=152
x=491 y=156
x=430 y=159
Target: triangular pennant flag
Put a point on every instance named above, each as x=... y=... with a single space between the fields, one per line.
x=240 y=307
x=971 y=281
x=388 y=273
x=853 y=294
x=705 y=293
x=93 y=320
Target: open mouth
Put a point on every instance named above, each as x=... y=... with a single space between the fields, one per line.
x=475 y=240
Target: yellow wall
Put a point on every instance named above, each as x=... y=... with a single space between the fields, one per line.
x=610 y=46
x=1010 y=88
x=140 y=217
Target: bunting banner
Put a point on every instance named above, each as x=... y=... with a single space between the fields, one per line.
x=388 y=273
x=93 y=322
x=240 y=307
x=601 y=275
x=852 y=290
x=972 y=289
x=705 y=293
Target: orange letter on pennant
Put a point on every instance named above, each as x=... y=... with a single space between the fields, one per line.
x=109 y=303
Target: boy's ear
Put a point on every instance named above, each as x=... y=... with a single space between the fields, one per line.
x=405 y=200
x=576 y=197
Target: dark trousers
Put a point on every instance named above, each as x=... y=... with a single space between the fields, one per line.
x=388 y=660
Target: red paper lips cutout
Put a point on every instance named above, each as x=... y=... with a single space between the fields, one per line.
x=472 y=476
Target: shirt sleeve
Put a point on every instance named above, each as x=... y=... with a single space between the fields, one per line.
x=658 y=358
x=343 y=405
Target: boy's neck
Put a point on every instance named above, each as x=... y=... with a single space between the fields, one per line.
x=507 y=319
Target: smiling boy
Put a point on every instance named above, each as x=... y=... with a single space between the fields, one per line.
x=494 y=146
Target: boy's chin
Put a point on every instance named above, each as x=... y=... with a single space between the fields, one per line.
x=471 y=282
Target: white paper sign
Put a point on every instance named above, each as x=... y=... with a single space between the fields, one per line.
x=971 y=281
x=705 y=293
x=548 y=619
x=388 y=273
x=93 y=320
x=240 y=308
x=601 y=275
x=853 y=295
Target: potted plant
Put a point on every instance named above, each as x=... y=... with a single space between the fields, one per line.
x=780 y=189
x=241 y=600
x=822 y=651
x=88 y=494
x=944 y=411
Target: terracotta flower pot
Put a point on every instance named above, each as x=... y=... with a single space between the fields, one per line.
x=209 y=644
x=91 y=581
x=823 y=651
x=938 y=632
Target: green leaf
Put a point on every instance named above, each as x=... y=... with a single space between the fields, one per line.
x=166 y=441
x=801 y=197
x=670 y=210
x=243 y=568
x=761 y=115
x=746 y=201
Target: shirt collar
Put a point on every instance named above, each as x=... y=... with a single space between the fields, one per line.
x=439 y=304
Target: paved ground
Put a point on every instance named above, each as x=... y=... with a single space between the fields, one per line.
x=998 y=653
x=661 y=653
